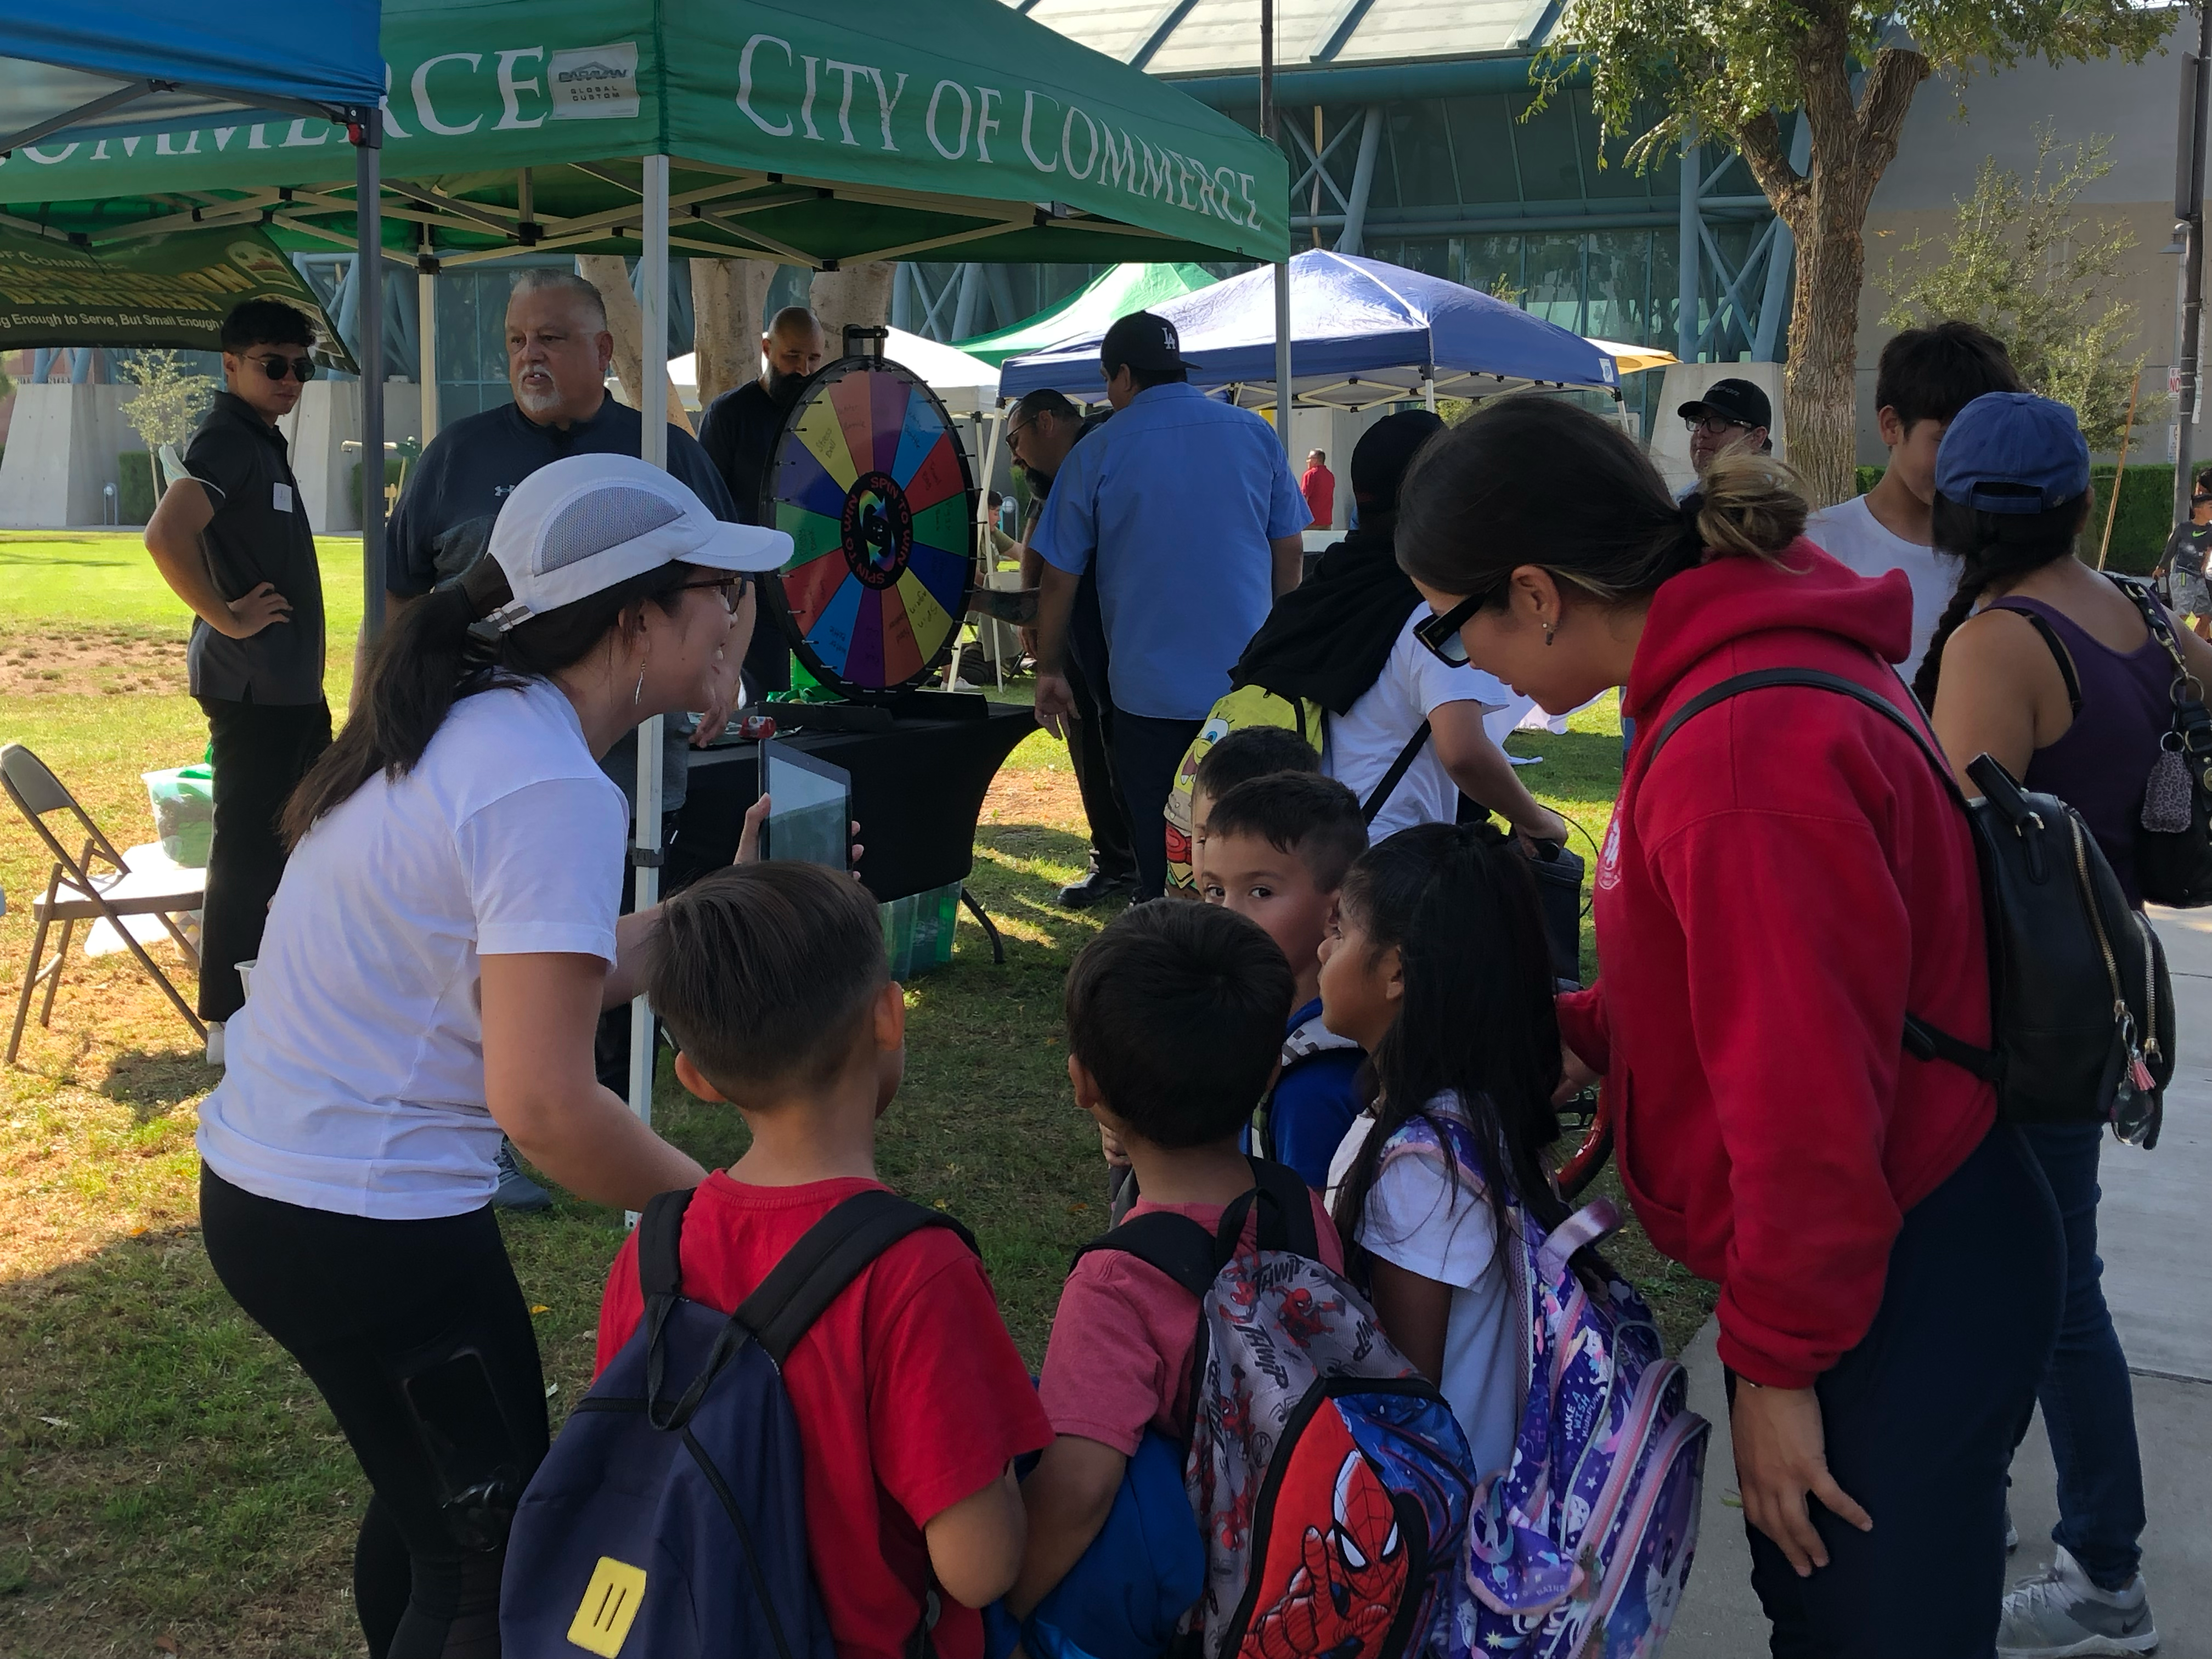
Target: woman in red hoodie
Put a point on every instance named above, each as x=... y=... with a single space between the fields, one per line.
x=1782 y=883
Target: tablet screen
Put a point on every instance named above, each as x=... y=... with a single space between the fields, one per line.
x=811 y=816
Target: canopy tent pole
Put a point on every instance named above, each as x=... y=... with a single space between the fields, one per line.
x=1429 y=392
x=425 y=335
x=1282 y=398
x=652 y=446
x=367 y=134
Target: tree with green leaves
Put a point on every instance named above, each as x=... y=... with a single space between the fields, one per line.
x=2022 y=263
x=1733 y=69
x=167 y=406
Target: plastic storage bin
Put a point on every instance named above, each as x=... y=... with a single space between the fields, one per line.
x=918 y=930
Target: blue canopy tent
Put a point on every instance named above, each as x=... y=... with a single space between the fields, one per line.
x=80 y=74
x=1362 y=333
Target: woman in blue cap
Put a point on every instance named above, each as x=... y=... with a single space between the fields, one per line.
x=2046 y=665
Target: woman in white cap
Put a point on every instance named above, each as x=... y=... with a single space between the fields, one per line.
x=435 y=962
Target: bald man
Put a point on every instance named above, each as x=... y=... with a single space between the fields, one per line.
x=739 y=435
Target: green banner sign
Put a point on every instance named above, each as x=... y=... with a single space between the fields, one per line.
x=168 y=290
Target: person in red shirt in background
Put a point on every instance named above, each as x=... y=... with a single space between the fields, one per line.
x=1779 y=887
x=1318 y=485
x=911 y=1398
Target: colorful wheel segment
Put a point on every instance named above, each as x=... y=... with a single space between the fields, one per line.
x=871 y=481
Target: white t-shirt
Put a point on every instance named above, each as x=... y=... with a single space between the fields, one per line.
x=1360 y=744
x=1852 y=535
x=355 y=1069
x=1417 y=1217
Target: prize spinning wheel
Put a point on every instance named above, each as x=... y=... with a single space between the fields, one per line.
x=871 y=482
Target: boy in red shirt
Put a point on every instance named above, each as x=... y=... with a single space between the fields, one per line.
x=1175 y=1013
x=911 y=1398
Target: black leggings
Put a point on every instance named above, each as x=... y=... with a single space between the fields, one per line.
x=416 y=1334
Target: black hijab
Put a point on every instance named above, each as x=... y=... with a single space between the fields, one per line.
x=1328 y=638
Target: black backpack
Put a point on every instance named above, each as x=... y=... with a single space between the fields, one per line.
x=2081 y=1012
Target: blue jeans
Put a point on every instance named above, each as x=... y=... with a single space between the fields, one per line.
x=2088 y=1405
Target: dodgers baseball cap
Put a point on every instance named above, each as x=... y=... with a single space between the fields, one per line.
x=1732 y=400
x=579 y=526
x=2012 y=452
x=1143 y=340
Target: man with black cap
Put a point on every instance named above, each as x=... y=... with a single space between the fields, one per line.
x=1731 y=414
x=1187 y=510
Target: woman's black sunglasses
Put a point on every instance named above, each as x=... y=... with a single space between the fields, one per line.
x=1441 y=633
x=732 y=588
x=280 y=368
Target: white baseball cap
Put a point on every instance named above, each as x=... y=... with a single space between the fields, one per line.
x=578 y=526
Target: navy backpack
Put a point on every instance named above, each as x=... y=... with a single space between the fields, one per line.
x=669 y=1520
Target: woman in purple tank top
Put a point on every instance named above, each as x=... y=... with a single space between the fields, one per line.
x=2044 y=665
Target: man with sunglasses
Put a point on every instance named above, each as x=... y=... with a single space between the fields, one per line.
x=233 y=541
x=2182 y=563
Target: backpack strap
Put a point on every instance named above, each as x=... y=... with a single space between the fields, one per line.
x=1396 y=775
x=1175 y=1245
x=2059 y=653
x=827 y=1257
x=660 y=1274
x=1285 y=1211
x=1921 y=1041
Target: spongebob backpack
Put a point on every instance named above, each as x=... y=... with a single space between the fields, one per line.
x=669 y=1520
x=1331 y=1479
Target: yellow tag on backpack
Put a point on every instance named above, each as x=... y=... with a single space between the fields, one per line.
x=1247 y=705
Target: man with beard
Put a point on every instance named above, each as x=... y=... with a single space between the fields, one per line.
x=739 y=435
x=558 y=349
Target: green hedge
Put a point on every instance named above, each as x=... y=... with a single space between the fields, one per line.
x=2139 y=529
x=134 y=487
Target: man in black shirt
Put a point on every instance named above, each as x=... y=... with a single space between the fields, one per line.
x=233 y=542
x=2182 y=564
x=1042 y=429
x=738 y=434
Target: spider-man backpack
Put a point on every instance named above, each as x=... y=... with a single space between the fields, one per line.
x=1333 y=1483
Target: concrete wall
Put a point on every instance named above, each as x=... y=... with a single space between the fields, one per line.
x=62 y=446
x=327 y=419
x=1952 y=128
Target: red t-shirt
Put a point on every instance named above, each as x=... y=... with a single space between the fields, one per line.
x=1119 y=1361
x=909 y=1395
x=1318 y=485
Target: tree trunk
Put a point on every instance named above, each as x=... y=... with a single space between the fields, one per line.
x=610 y=273
x=1821 y=390
x=859 y=295
x=727 y=299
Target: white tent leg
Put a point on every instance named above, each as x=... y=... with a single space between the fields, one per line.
x=426 y=333
x=1429 y=393
x=653 y=446
x=368 y=275
x=1283 y=394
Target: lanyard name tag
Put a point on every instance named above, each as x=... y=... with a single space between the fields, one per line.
x=281 y=497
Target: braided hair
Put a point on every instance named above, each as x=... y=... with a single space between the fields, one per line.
x=1997 y=549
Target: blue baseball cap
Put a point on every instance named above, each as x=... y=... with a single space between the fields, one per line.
x=2018 y=441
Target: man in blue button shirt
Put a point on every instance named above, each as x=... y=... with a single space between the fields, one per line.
x=1187 y=508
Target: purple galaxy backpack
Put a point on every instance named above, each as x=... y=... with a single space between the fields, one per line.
x=1581 y=1548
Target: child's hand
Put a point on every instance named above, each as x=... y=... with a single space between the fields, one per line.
x=1109 y=1144
x=1575 y=1076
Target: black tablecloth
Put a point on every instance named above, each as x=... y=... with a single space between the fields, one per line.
x=917 y=789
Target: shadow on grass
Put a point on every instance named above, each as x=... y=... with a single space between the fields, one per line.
x=154 y=1082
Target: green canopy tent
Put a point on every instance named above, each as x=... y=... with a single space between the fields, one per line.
x=1112 y=294
x=825 y=134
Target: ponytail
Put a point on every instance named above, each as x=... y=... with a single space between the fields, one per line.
x=1997 y=549
x=439 y=651
x=1459 y=903
x=1534 y=480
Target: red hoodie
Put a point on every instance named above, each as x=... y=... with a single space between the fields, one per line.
x=1790 y=879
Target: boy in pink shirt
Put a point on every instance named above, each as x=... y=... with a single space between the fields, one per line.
x=1175 y=1016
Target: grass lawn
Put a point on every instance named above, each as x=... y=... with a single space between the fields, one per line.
x=167 y=1475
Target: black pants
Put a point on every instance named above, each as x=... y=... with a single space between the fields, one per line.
x=1089 y=752
x=1920 y=1420
x=1145 y=752
x=416 y=1335
x=261 y=751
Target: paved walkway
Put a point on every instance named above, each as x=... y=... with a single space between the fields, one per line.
x=2156 y=1236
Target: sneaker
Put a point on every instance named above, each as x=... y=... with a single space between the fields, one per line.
x=517 y=1191
x=1094 y=889
x=2059 y=1614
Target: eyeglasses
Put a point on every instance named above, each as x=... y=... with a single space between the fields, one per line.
x=278 y=368
x=1014 y=432
x=1441 y=633
x=1713 y=425
x=732 y=588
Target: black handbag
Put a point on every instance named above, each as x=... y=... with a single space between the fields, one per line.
x=2173 y=831
x=2081 y=1011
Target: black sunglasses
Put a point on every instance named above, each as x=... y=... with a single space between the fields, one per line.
x=280 y=368
x=1441 y=633
x=732 y=588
